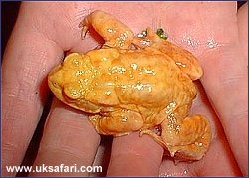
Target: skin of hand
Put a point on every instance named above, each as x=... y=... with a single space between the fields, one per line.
x=215 y=32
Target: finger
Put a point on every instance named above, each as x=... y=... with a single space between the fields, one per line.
x=135 y=156
x=226 y=85
x=24 y=89
x=69 y=139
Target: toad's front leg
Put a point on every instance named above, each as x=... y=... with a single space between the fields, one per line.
x=117 y=123
x=115 y=33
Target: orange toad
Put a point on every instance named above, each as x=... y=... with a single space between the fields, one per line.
x=135 y=83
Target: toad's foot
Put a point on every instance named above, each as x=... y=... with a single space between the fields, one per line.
x=155 y=136
x=187 y=141
x=114 y=32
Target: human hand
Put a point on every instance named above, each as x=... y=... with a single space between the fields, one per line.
x=45 y=30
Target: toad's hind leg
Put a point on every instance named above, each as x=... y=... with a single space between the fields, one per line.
x=186 y=140
x=117 y=123
x=114 y=32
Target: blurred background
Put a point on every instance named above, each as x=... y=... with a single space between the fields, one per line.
x=9 y=14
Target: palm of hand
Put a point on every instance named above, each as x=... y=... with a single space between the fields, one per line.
x=209 y=30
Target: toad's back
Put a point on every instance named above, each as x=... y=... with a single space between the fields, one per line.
x=121 y=78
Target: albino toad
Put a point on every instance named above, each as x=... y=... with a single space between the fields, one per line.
x=135 y=83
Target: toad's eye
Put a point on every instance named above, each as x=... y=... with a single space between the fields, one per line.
x=161 y=34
